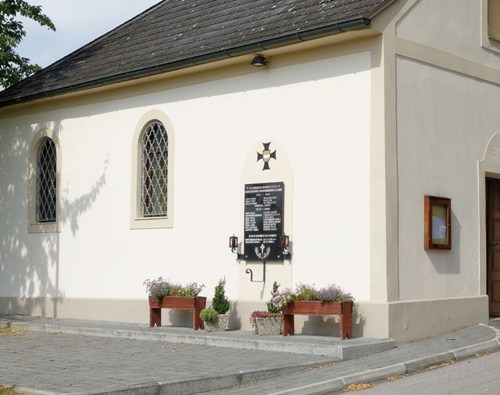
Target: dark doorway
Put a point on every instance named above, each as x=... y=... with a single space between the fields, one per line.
x=493 y=247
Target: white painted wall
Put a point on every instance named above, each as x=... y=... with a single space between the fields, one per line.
x=450 y=26
x=445 y=121
x=320 y=111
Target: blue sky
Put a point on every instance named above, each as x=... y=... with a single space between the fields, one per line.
x=77 y=22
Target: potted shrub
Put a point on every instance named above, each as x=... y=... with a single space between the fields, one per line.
x=210 y=318
x=220 y=306
x=268 y=323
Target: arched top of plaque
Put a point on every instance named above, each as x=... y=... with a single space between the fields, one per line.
x=267 y=200
x=267 y=161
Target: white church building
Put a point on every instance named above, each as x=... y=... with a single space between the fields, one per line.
x=373 y=124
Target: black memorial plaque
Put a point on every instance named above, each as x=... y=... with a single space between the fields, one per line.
x=264 y=221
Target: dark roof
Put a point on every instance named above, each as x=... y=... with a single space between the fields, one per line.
x=180 y=33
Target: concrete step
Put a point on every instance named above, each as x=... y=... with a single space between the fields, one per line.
x=301 y=344
x=495 y=322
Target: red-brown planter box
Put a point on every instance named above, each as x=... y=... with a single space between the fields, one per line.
x=312 y=307
x=196 y=304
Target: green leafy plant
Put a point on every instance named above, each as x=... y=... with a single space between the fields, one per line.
x=209 y=315
x=159 y=288
x=220 y=303
x=305 y=292
x=13 y=14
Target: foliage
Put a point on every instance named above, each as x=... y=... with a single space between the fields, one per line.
x=191 y=289
x=271 y=307
x=10 y=331
x=220 y=302
x=159 y=288
x=274 y=307
x=209 y=315
x=333 y=293
x=280 y=299
x=330 y=293
x=9 y=390
x=14 y=67
x=305 y=292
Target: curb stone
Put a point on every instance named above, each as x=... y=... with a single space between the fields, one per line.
x=411 y=366
x=421 y=359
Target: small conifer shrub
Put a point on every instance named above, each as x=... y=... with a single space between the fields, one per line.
x=220 y=303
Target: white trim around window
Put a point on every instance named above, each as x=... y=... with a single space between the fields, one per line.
x=137 y=218
x=490 y=24
x=34 y=225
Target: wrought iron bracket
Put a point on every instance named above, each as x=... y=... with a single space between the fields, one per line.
x=249 y=271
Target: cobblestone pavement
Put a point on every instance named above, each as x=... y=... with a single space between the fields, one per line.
x=73 y=363
x=79 y=357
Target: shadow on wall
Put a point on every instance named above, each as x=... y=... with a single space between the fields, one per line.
x=30 y=262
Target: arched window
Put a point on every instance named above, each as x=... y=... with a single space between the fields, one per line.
x=154 y=170
x=46 y=191
x=153 y=152
x=44 y=169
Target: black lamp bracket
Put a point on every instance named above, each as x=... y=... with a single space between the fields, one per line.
x=249 y=271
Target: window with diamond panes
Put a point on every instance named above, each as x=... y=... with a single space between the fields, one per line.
x=154 y=164
x=46 y=182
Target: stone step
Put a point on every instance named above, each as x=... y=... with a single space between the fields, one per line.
x=495 y=322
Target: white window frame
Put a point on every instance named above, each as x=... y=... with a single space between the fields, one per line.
x=35 y=226
x=137 y=220
x=489 y=39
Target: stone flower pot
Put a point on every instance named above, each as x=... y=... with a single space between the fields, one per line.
x=218 y=326
x=268 y=326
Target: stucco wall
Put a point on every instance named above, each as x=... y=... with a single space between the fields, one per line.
x=446 y=26
x=445 y=121
x=447 y=101
x=318 y=110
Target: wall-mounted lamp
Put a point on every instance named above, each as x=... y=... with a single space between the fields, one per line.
x=259 y=61
x=285 y=243
x=233 y=245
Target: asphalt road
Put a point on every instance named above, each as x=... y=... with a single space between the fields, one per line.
x=480 y=375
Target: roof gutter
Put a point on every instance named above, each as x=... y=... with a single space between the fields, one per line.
x=289 y=39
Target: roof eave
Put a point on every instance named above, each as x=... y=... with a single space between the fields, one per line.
x=289 y=39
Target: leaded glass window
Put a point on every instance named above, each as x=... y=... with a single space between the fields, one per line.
x=46 y=182
x=154 y=164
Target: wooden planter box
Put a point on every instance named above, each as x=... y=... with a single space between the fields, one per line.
x=310 y=307
x=196 y=304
